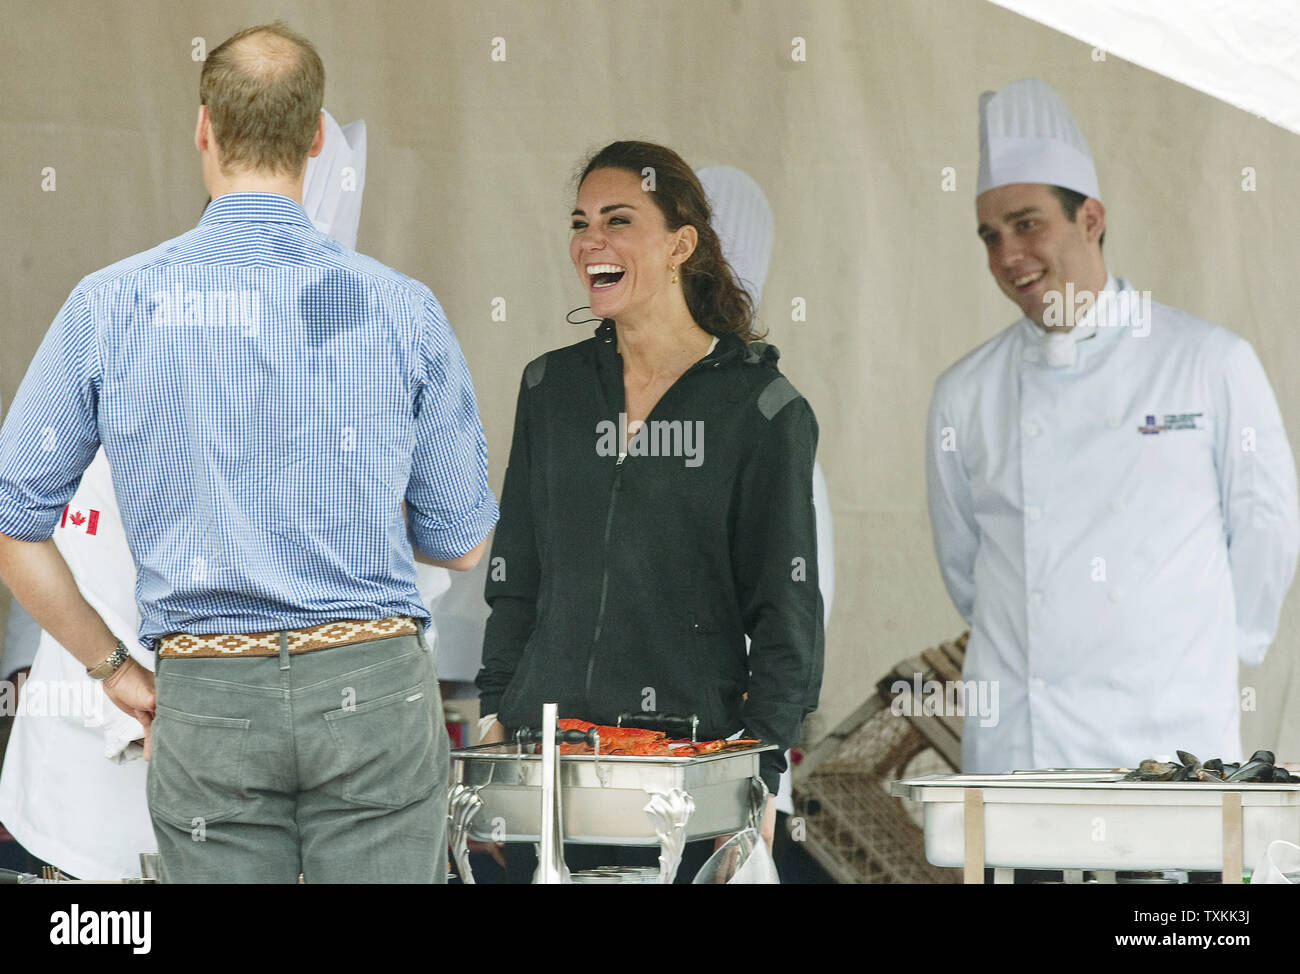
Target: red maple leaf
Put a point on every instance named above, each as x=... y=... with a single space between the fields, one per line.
x=78 y=519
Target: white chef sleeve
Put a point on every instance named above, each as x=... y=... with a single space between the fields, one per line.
x=825 y=541
x=1257 y=486
x=952 y=515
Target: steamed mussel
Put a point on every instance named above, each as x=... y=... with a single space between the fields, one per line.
x=1260 y=767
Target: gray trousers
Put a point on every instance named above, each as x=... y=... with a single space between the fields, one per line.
x=333 y=764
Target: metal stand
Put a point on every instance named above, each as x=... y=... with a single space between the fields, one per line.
x=757 y=803
x=463 y=805
x=670 y=811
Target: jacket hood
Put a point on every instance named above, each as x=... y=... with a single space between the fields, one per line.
x=729 y=346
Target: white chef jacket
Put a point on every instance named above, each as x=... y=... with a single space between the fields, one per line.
x=461 y=616
x=1117 y=532
x=66 y=794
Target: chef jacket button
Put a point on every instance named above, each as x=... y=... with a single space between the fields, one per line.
x=1037 y=683
x=1113 y=422
x=1029 y=427
x=1116 y=685
x=1114 y=595
x=1036 y=597
x=1116 y=506
x=1033 y=513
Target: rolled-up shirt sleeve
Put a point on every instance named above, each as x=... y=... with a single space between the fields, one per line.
x=449 y=504
x=51 y=433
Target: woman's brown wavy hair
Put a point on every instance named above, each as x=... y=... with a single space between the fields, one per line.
x=715 y=298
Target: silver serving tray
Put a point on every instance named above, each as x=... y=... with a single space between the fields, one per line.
x=1092 y=819
x=605 y=798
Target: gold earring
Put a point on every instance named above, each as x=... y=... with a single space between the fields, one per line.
x=674 y=270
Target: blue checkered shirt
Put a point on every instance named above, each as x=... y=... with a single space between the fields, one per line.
x=267 y=399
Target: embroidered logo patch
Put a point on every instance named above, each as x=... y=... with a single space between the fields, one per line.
x=1171 y=423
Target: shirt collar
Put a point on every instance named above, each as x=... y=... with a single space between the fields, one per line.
x=1109 y=315
x=255 y=208
x=1113 y=309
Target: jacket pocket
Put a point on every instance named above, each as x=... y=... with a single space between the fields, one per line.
x=386 y=747
x=707 y=647
x=196 y=772
x=519 y=684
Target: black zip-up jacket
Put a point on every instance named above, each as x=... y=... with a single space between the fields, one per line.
x=629 y=583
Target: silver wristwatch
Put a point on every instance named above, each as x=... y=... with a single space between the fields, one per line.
x=111 y=665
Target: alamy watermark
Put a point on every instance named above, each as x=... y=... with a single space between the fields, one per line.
x=75 y=926
x=1109 y=309
x=950 y=698
x=657 y=438
x=215 y=308
x=52 y=698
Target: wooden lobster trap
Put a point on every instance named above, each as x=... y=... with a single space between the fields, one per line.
x=853 y=827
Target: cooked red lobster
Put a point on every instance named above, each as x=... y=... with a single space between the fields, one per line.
x=632 y=741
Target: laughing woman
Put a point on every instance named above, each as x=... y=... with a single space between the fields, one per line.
x=658 y=501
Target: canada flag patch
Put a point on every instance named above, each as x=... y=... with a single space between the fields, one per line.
x=79 y=520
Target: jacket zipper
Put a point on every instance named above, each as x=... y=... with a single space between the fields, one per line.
x=604 y=581
x=609 y=525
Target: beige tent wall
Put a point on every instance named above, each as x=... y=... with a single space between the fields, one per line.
x=468 y=189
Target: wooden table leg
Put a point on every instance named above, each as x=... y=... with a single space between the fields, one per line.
x=1232 y=851
x=973 y=822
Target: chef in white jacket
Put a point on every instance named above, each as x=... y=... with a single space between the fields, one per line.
x=70 y=791
x=1111 y=491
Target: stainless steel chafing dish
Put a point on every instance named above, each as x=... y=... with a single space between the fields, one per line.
x=497 y=796
x=1097 y=820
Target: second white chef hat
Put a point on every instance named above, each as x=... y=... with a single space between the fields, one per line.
x=742 y=219
x=331 y=196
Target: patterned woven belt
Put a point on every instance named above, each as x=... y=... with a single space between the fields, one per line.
x=342 y=633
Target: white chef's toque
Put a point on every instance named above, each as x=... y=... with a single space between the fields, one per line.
x=742 y=219
x=1028 y=136
x=332 y=185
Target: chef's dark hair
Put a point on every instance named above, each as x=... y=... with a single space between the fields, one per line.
x=714 y=296
x=1070 y=202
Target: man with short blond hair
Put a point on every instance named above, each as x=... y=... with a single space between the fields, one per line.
x=263 y=89
x=285 y=420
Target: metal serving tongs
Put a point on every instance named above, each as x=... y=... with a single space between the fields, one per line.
x=551 y=867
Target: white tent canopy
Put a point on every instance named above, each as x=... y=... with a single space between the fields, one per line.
x=1243 y=52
